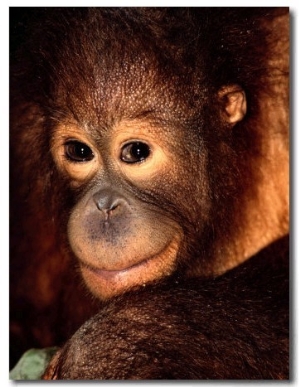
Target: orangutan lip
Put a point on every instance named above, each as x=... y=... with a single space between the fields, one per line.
x=109 y=274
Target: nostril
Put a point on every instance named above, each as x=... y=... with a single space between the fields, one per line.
x=107 y=200
x=108 y=212
x=106 y=206
x=114 y=206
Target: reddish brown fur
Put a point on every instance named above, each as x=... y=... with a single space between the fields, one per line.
x=237 y=327
x=244 y=206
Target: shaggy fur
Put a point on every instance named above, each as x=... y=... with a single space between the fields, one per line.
x=225 y=189
x=237 y=327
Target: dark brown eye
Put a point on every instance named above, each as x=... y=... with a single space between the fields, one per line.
x=78 y=151
x=135 y=152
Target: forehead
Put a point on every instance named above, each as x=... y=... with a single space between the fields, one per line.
x=108 y=70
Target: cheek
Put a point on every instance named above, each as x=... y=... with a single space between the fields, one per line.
x=184 y=192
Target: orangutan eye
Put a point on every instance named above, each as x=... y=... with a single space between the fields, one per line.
x=135 y=152
x=78 y=152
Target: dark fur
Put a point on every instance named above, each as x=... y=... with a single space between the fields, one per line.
x=55 y=72
x=49 y=77
x=236 y=327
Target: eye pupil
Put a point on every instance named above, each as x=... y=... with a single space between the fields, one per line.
x=78 y=151
x=135 y=152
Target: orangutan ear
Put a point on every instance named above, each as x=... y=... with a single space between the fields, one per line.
x=234 y=104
